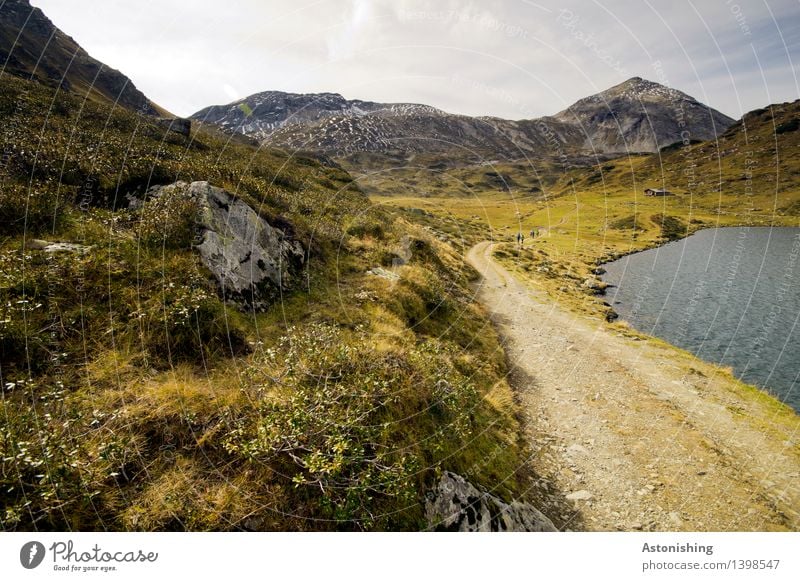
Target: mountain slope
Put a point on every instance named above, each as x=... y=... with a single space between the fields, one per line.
x=31 y=46
x=642 y=116
x=757 y=157
x=637 y=115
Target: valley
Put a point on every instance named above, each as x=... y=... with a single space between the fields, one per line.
x=301 y=312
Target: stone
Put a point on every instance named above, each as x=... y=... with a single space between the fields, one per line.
x=383 y=273
x=455 y=504
x=252 y=261
x=176 y=125
x=66 y=247
x=580 y=495
x=55 y=247
x=576 y=449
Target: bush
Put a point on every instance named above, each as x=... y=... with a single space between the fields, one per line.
x=788 y=126
x=627 y=223
x=28 y=210
x=672 y=228
x=367 y=225
x=188 y=322
x=323 y=410
x=49 y=479
x=169 y=219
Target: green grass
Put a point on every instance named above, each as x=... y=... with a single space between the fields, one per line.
x=133 y=397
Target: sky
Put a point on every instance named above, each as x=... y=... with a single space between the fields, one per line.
x=514 y=59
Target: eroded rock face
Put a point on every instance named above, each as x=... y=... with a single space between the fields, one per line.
x=251 y=260
x=457 y=505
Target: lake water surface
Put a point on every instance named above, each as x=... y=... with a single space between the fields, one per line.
x=731 y=296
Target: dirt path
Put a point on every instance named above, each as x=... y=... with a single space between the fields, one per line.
x=638 y=435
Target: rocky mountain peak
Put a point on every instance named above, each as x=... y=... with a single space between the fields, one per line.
x=641 y=115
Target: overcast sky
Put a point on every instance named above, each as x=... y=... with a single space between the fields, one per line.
x=507 y=58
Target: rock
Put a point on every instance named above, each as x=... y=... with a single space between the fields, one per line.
x=251 y=261
x=177 y=125
x=36 y=244
x=455 y=504
x=383 y=273
x=576 y=449
x=66 y=247
x=580 y=495
x=54 y=247
x=594 y=286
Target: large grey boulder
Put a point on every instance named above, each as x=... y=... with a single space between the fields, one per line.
x=176 y=125
x=455 y=504
x=251 y=260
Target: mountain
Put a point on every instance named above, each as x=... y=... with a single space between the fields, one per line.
x=640 y=115
x=344 y=128
x=31 y=46
x=637 y=115
x=262 y=114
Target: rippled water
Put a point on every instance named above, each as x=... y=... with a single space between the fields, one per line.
x=731 y=296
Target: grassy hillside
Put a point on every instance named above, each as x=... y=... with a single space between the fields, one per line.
x=134 y=398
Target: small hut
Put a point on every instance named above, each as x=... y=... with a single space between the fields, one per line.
x=657 y=192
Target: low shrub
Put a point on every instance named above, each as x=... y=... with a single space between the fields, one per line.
x=29 y=210
x=169 y=219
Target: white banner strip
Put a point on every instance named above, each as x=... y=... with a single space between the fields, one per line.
x=377 y=556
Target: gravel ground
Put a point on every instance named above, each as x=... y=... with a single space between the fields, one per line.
x=632 y=434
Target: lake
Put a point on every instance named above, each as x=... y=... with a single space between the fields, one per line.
x=731 y=296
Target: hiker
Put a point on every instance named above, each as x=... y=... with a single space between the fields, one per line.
x=519 y=238
x=533 y=232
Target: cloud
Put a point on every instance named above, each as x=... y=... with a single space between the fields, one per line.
x=343 y=40
x=510 y=59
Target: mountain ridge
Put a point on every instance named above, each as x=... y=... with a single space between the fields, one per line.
x=31 y=46
x=634 y=116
